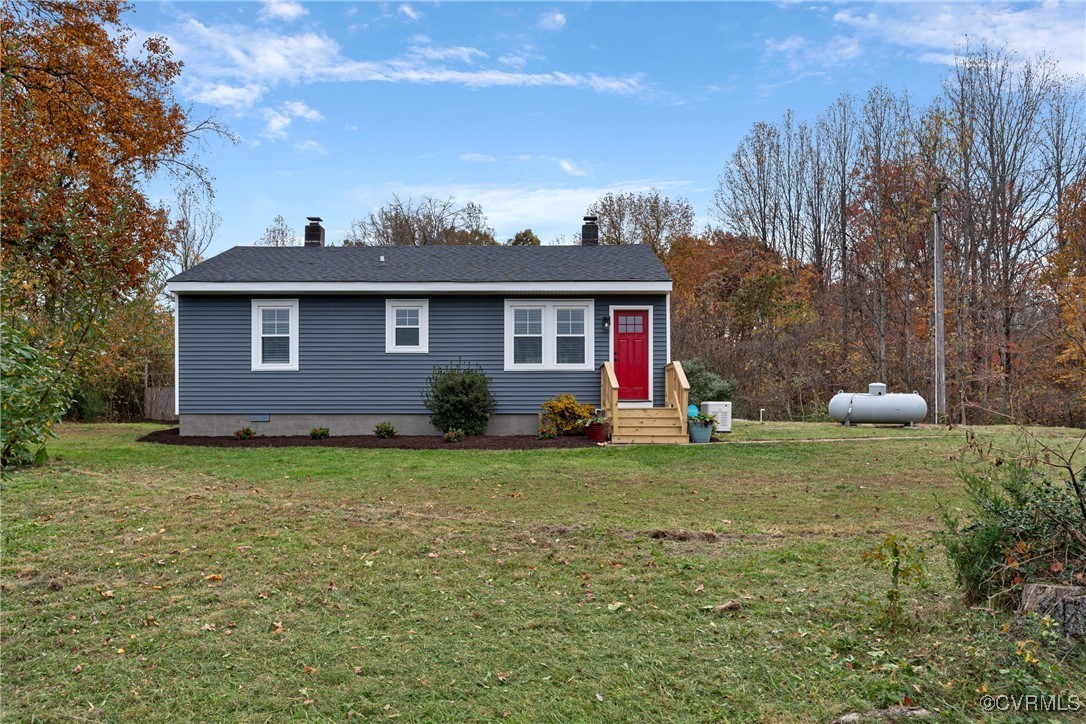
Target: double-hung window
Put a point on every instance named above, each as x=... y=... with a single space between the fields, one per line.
x=548 y=335
x=407 y=325
x=274 y=335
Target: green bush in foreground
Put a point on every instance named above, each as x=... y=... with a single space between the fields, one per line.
x=458 y=396
x=385 y=430
x=1023 y=528
x=34 y=399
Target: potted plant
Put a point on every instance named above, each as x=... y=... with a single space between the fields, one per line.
x=596 y=428
x=701 y=427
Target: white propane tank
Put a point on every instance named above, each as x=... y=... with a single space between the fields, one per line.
x=722 y=411
x=876 y=406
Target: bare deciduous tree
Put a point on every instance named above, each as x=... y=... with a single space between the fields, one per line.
x=426 y=222
x=278 y=233
x=643 y=218
x=193 y=224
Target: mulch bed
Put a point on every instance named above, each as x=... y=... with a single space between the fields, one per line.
x=400 y=442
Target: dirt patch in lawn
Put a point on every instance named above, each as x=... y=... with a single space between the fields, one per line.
x=699 y=536
x=400 y=442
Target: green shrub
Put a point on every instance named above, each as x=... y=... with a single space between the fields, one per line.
x=1022 y=528
x=244 y=433
x=385 y=430
x=34 y=399
x=566 y=414
x=454 y=434
x=705 y=384
x=458 y=396
x=319 y=433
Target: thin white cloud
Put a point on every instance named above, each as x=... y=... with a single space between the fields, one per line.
x=239 y=57
x=457 y=53
x=282 y=10
x=230 y=96
x=801 y=54
x=550 y=211
x=571 y=168
x=552 y=21
x=477 y=158
x=409 y=12
x=311 y=146
x=277 y=121
x=935 y=30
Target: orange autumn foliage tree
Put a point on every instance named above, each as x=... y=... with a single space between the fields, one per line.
x=88 y=118
x=1065 y=278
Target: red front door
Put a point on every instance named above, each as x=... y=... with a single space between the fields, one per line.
x=631 y=345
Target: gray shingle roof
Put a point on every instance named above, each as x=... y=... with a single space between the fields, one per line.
x=430 y=264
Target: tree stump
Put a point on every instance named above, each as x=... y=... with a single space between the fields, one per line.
x=1065 y=604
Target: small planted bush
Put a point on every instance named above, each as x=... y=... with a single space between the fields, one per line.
x=706 y=384
x=566 y=414
x=319 y=433
x=547 y=430
x=384 y=430
x=453 y=435
x=244 y=433
x=458 y=396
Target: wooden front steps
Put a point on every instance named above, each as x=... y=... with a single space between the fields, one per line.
x=648 y=425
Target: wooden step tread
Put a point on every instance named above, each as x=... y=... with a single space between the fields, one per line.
x=624 y=439
x=647 y=412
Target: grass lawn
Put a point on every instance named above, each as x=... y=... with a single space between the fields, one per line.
x=146 y=582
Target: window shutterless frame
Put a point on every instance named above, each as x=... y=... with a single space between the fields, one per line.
x=549 y=334
x=407 y=326
x=274 y=335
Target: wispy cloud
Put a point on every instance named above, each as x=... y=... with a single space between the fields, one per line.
x=234 y=57
x=311 y=146
x=802 y=54
x=571 y=168
x=550 y=210
x=934 y=30
x=282 y=10
x=409 y=12
x=552 y=21
x=226 y=95
x=277 y=121
x=477 y=158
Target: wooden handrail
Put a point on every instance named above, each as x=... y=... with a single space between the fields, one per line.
x=609 y=394
x=677 y=391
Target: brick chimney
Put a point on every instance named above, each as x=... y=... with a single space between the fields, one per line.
x=590 y=232
x=314 y=232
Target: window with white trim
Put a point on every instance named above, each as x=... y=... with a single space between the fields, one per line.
x=407 y=325
x=274 y=335
x=548 y=335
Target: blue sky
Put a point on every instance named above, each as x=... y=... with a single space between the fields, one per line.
x=533 y=110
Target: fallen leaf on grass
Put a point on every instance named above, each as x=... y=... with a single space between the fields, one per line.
x=503 y=677
x=276 y=627
x=700 y=588
x=614 y=606
x=308 y=670
x=724 y=607
x=77 y=668
x=208 y=627
x=358 y=670
x=599 y=696
x=104 y=594
x=213 y=577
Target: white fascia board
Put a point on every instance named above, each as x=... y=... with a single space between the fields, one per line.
x=417 y=287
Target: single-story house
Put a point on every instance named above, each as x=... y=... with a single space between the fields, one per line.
x=284 y=339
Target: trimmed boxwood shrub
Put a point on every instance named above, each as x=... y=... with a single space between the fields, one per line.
x=458 y=396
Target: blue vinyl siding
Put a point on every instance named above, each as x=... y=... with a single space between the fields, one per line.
x=343 y=366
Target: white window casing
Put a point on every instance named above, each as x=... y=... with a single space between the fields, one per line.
x=275 y=335
x=549 y=334
x=407 y=326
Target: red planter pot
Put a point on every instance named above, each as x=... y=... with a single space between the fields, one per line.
x=597 y=432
